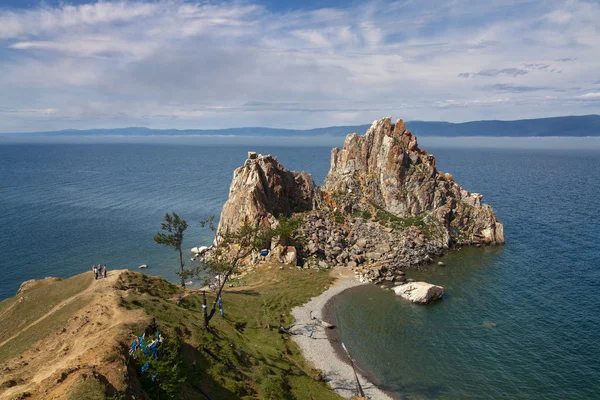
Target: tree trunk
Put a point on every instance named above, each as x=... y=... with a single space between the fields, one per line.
x=214 y=305
x=204 y=310
x=181 y=267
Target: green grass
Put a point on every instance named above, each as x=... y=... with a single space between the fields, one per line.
x=39 y=331
x=339 y=217
x=247 y=358
x=87 y=389
x=19 y=311
x=152 y=285
x=393 y=221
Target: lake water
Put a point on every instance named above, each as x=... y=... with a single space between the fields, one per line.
x=517 y=322
x=520 y=321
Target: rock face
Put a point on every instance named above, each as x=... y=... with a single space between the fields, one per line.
x=261 y=189
x=283 y=255
x=419 y=292
x=384 y=207
x=386 y=170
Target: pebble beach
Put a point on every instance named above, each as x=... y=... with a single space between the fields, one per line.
x=311 y=337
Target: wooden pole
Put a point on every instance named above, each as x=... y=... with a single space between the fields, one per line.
x=359 y=389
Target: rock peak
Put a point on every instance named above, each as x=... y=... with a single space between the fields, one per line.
x=385 y=169
x=384 y=206
x=262 y=189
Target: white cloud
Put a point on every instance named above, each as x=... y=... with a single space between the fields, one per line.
x=181 y=64
x=46 y=19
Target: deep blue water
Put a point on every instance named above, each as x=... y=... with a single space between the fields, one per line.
x=520 y=321
x=67 y=207
x=517 y=322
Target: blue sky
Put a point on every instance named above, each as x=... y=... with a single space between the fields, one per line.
x=301 y=64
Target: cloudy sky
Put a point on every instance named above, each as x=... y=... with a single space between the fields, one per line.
x=296 y=64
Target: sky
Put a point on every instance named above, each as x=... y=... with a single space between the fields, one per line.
x=295 y=64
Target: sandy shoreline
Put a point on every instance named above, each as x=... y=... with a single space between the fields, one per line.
x=319 y=351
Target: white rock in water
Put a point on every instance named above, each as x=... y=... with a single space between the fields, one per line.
x=199 y=250
x=419 y=292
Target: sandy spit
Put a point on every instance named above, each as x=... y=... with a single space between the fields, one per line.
x=319 y=351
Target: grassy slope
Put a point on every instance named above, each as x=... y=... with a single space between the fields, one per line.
x=249 y=358
x=18 y=312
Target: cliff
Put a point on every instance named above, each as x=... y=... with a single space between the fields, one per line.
x=262 y=189
x=384 y=206
x=385 y=169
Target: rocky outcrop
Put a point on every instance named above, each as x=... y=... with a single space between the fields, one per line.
x=384 y=207
x=419 y=292
x=262 y=189
x=385 y=170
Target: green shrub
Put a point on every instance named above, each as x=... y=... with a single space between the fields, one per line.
x=164 y=378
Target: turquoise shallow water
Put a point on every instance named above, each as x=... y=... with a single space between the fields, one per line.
x=520 y=321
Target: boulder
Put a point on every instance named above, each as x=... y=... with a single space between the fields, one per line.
x=199 y=249
x=290 y=256
x=419 y=292
x=361 y=243
x=283 y=254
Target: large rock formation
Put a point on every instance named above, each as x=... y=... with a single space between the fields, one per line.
x=383 y=207
x=386 y=170
x=262 y=189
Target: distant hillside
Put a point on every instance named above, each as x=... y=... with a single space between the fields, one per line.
x=584 y=125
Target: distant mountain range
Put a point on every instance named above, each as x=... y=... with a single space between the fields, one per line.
x=584 y=125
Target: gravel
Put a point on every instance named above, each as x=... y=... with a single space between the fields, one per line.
x=318 y=350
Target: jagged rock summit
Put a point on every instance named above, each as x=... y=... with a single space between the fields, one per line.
x=385 y=169
x=384 y=206
x=262 y=189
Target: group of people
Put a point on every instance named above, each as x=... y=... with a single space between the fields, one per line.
x=99 y=271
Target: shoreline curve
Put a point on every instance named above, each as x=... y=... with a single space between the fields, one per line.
x=317 y=347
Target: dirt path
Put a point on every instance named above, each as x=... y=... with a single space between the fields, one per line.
x=95 y=286
x=8 y=309
x=44 y=370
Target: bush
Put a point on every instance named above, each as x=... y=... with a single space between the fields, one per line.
x=164 y=377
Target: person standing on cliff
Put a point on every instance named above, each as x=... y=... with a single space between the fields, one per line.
x=95 y=269
x=104 y=270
